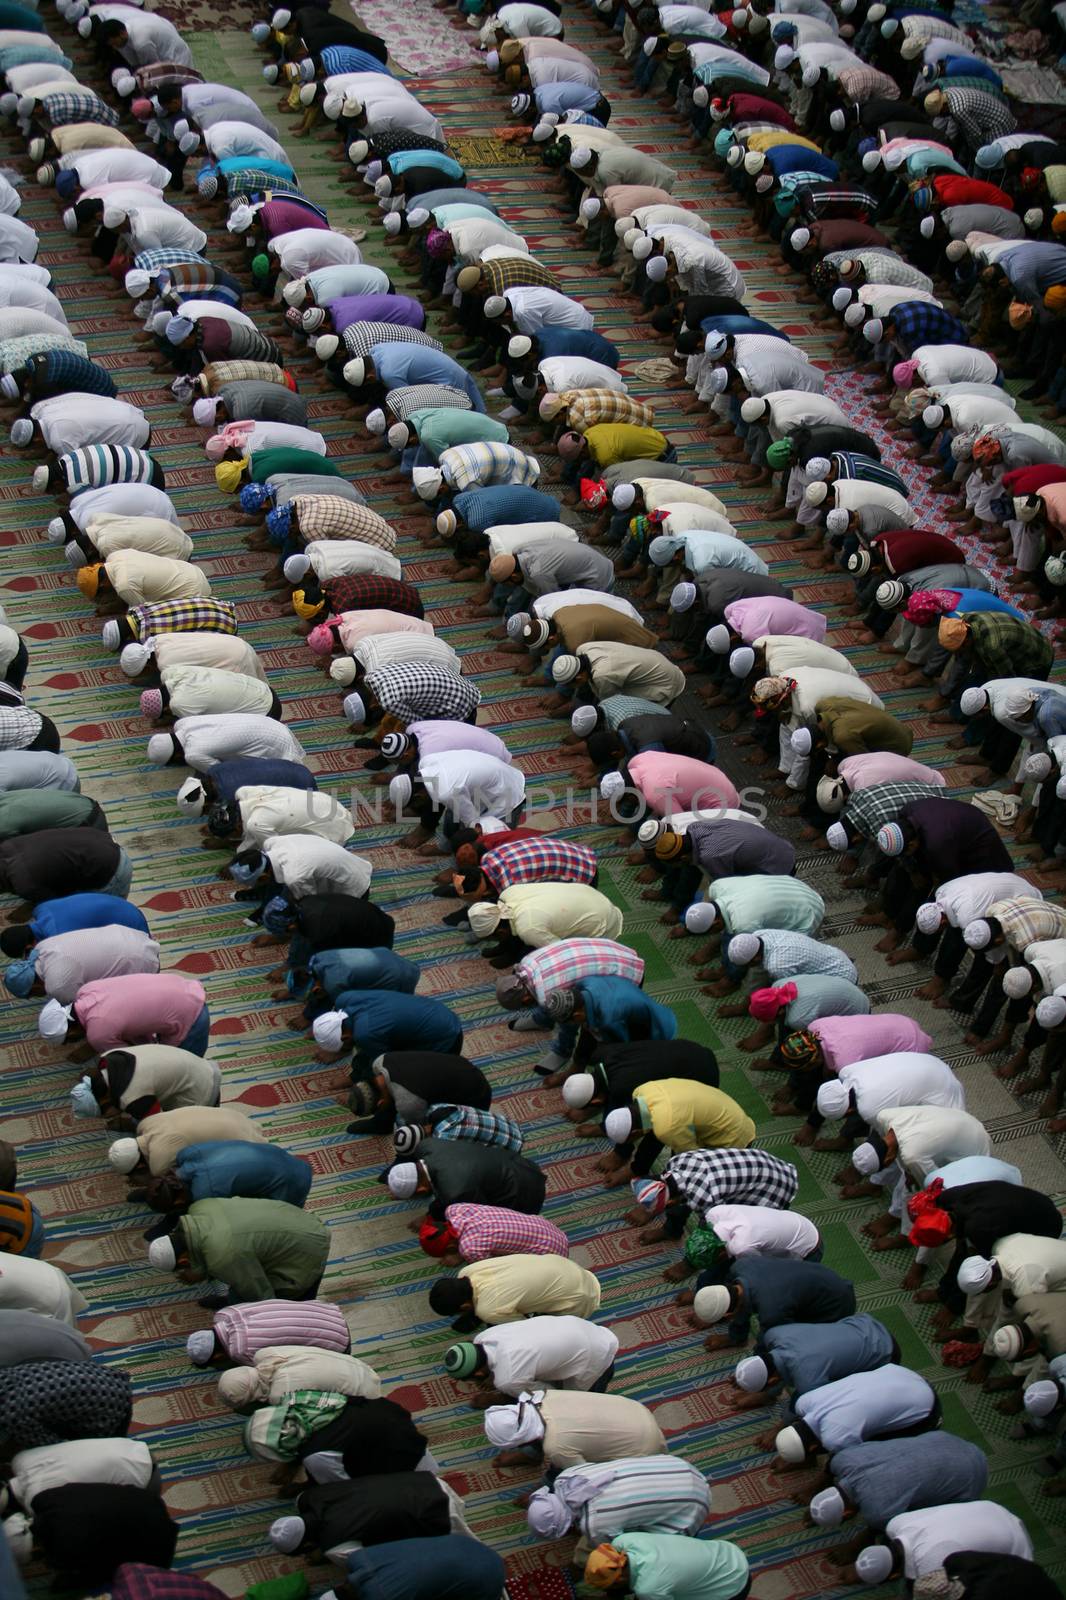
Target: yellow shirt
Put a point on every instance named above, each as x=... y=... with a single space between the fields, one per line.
x=770 y=141
x=685 y=1115
x=540 y=913
x=509 y=1287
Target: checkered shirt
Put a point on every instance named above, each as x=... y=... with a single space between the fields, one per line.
x=486 y=1231
x=328 y=516
x=617 y=707
x=63 y=371
x=1026 y=921
x=486 y=508
x=837 y=200
x=590 y=407
x=483 y=1127
x=70 y=107
x=1008 y=647
x=786 y=955
x=543 y=860
x=864 y=469
x=14 y=353
x=251 y=181
x=404 y=402
x=152 y=261
x=419 y=691
x=217 y=374
x=99 y=464
x=568 y=962
x=371 y=593
x=869 y=810
x=707 y=1178
x=920 y=322
x=484 y=462
x=361 y=337
x=517 y=272
x=183 y=616
x=980 y=116
x=864 y=83
x=18 y=727
x=882 y=266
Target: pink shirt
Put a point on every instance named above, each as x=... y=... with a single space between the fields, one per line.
x=862 y=772
x=679 y=783
x=845 y=1040
x=242 y=1330
x=440 y=738
x=763 y=614
x=140 y=1008
x=356 y=625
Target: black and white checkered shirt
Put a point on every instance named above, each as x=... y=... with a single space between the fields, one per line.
x=361 y=337
x=417 y=692
x=706 y=1178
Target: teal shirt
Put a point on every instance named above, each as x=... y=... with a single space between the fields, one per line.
x=821 y=996
x=670 y=1566
x=442 y=427
x=767 y=901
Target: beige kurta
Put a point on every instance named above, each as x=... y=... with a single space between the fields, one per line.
x=203 y=691
x=162 y=1136
x=623 y=669
x=153 y=536
x=139 y=578
x=287 y=1367
x=222 y=651
x=580 y=1426
x=509 y=1287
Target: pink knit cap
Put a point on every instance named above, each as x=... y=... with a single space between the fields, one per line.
x=903 y=373
x=322 y=639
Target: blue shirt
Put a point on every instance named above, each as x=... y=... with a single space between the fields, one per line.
x=449 y=1568
x=77 y=911
x=733 y=324
x=229 y=1167
x=399 y=364
x=337 y=970
x=807 y=1354
x=382 y=1019
x=565 y=97
x=617 y=1010
x=405 y=159
x=778 y=1290
x=233 y=775
x=504 y=502
x=339 y=58
x=432 y=198
x=797 y=158
x=584 y=342
x=234 y=164
x=981 y=600
x=884 y=1478
x=1050 y=715
x=37 y=769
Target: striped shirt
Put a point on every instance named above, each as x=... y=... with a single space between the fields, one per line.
x=420 y=691
x=412 y=397
x=484 y=462
x=866 y=470
x=361 y=337
x=568 y=962
x=538 y=860
x=64 y=371
x=1026 y=921
x=880 y=266
x=486 y=1231
x=590 y=407
x=706 y=1178
x=328 y=516
x=870 y=809
x=152 y=261
x=819 y=204
x=655 y=1494
x=483 y=1127
x=16 y=1222
x=99 y=464
x=182 y=616
x=245 y=1329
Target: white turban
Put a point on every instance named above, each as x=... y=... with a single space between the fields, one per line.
x=510 y=1426
x=328 y=1029
x=485 y=917
x=974 y=1275
x=833 y=1099
x=54 y=1020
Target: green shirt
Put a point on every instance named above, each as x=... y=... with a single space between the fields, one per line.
x=261 y=1249
x=767 y=900
x=28 y=810
x=265 y=463
x=671 y=1566
x=439 y=427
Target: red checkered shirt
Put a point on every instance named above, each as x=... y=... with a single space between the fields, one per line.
x=570 y=961
x=486 y=1231
x=538 y=861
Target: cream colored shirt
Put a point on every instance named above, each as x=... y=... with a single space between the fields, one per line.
x=287 y=1367
x=222 y=651
x=541 y=913
x=1031 y=1264
x=268 y=811
x=201 y=691
x=509 y=1287
x=28 y=1285
x=307 y=865
x=51 y=1466
x=581 y=1426
x=163 y=1136
x=175 y=1077
x=153 y=536
x=784 y=652
x=628 y=669
x=140 y=578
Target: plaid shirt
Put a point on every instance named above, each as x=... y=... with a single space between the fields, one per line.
x=543 y=860
x=978 y=115
x=404 y=402
x=183 y=616
x=865 y=469
x=371 y=593
x=881 y=266
x=568 y=962
x=706 y=1178
x=390 y=141
x=134 y=1581
x=590 y=407
x=869 y=810
x=484 y=1127
x=863 y=83
x=99 y=464
x=328 y=516
x=1026 y=921
x=482 y=463
x=786 y=955
x=217 y=374
x=299 y=1414
x=18 y=727
x=14 y=353
x=919 y=322
x=1008 y=647
x=617 y=707
x=361 y=337
x=152 y=261
x=420 y=691
x=516 y=272
x=486 y=1231
x=252 y=181
x=74 y=107
x=65 y=372
x=835 y=200
x=487 y=508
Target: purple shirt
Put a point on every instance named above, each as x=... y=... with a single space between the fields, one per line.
x=762 y=614
x=845 y=1040
x=438 y=738
x=398 y=308
x=276 y=217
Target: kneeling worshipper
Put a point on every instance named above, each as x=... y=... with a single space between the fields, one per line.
x=669 y=1565
x=517 y=1286
x=771 y=1290
x=260 y=1249
x=798 y=1356
x=565 y=1429
x=454 y=1567
x=239 y=1332
x=868 y=1405
x=337 y=1518
x=84 y=1532
x=453 y=1171
x=659 y=1494
x=558 y=1351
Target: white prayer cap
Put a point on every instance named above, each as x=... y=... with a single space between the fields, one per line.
x=974 y=1275
x=711 y=1304
x=124 y=1154
x=328 y=1030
